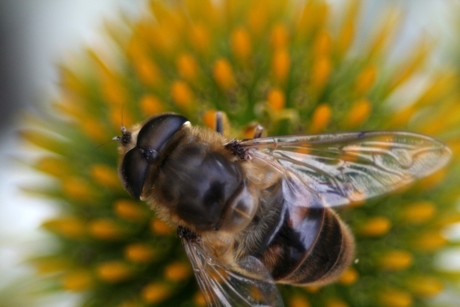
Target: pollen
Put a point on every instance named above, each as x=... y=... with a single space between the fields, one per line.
x=358 y=113
x=52 y=264
x=336 y=303
x=105 y=176
x=155 y=292
x=384 y=34
x=113 y=91
x=258 y=16
x=187 y=67
x=72 y=81
x=418 y=212
x=77 y=280
x=151 y=104
x=430 y=241
x=223 y=75
x=402 y=117
x=113 y=271
x=70 y=227
x=182 y=95
x=120 y=116
x=430 y=182
x=53 y=166
x=160 y=228
x=320 y=118
x=322 y=45
x=313 y=16
x=209 y=119
x=94 y=130
x=148 y=71
x=78 y=189
x=281 y=65
x=396 y=260
x=321 y=70
x=395 y=298
x=69 y=108
x=276 y=100
x=279 y=37
x=130 y=210
x=365 y=80
x=349 y=276
x=106 y=229
x=375 y=227
x=418 y=57
x=240 y=42
x=199 y=299
x=299 y=301
x=133 y=303
x=439 y=87
x=42 y=140
x=177 y=271
x=200 y=38
x=425 y=286
x=345 y=38
x=139 y=253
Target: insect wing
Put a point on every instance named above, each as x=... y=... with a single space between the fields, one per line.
x=223 y=287
x=336 y=169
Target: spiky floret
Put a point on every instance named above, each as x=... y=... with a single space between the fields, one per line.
x=292 y=67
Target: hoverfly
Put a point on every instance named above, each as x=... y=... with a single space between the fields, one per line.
x=257 y=212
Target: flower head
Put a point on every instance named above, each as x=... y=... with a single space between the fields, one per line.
x=283 y=64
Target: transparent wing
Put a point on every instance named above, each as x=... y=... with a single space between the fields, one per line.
x=336 y=169
x=223 y=287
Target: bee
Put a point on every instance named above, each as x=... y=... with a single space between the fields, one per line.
x=255 y=212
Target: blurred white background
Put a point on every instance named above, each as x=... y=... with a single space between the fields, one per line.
x=35 y=35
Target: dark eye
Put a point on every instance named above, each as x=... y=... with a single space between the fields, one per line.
x=158 y=130
x=151 y=139
x=133 y=171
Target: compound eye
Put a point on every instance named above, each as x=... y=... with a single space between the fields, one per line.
x=133 y=171
x=158 y=130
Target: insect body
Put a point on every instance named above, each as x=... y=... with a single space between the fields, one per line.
x=256 y=212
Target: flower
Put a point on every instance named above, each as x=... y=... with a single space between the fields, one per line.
x=278 y=63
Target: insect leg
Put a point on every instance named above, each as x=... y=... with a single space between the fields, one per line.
x=219 y=124
x=258 y=131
